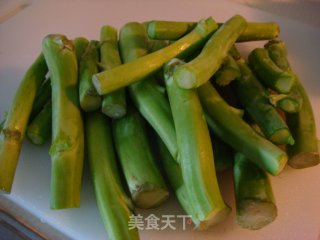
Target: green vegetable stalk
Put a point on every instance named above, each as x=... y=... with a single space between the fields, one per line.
x=269 y=73
x=113 y=104
x=39 y=129
x=200 y=69
x=195 y=151
x=290 y=103
x=254 y=98
x=114 y=206
x=151 y=103
x=145 y=182
x=14 y=127
x=80 y=46
x=88 y=65
x=305 y=152
x=42 y=97
x=67 y=145
x=118 y=77
x=233 y=130
x=171 y=30
x=227 y=72
x=255 y=204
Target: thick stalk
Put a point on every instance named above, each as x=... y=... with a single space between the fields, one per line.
x=67 y=145
x=233 y=130
x=114 y=206
x=195 y=151
x=12 y=134
x=118 y=77
x=201 y=68
x=269 y=73
x=170 y=30
x=254 y=98
x=145 y=182
x=113 y=104
x=305 y=152
x=152 y=103
x=255 y=204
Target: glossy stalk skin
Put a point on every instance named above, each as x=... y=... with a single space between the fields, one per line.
x=171 y=30
x=305 y=152
x=201 y=68
x=113 y=104
x=39 y=129
x=269 y=73
x=233 y=130
x=254 y=98
x=255 y=204
x=41 y=99
x=14 y=127
x=151 y=103
x=115 y=78
x=145 y=182
x=114 y=206
x=89 y=99
x=195 y=151
x=67 y=147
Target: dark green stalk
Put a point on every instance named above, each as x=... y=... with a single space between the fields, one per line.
x=269 y=73
x=227 y=72
x=233 y=130
x=113 y=104
x=12 y=134
x=114 y=206
x=254 y=98
x=118 y=77
x=255 y=204
x=67 y=145
x=305 y=152
x=41 y=99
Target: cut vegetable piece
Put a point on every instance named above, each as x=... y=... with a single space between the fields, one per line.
x=67 y=145
x=233 y=130
x=115 y=78
x=201 y=68
x=255 y=204
x=14 y=127
x=114 y=206
x=195 y=151
x=145 y=182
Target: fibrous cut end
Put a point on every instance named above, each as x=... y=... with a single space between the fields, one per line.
x=254 y=214
x=214 y=218
x=304 y=160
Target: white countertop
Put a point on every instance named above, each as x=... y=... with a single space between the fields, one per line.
x=296 y=191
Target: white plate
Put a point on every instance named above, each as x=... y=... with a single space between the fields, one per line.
x=296 y=191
